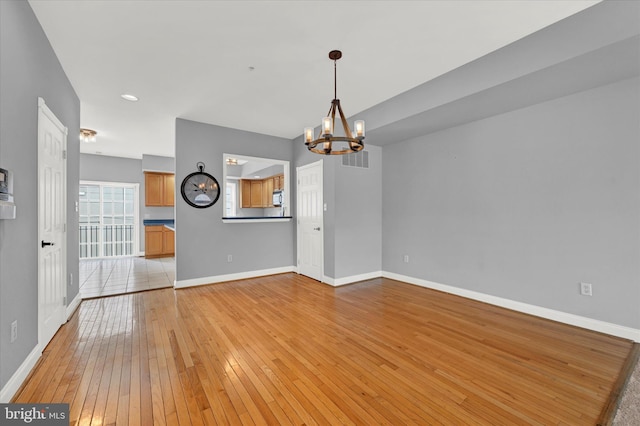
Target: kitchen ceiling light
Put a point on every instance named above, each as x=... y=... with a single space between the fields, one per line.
x=129 y=97
x=324 y=144
x=88 y=135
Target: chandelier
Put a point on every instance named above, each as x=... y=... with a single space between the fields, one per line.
x=326 y=141
x=88 y=135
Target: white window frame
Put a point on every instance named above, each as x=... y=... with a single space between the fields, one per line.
x=136 y=215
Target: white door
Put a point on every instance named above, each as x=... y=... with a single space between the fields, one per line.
x=310 y=215
x=52 y=235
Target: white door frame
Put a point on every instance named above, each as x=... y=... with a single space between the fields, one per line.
x=319 y=164
x=45 y=113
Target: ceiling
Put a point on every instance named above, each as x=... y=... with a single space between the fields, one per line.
x=263 y=66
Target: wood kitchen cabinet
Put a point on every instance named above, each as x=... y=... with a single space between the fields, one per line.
x=256 y=193
x=245 y=193
x=259 y=192
x=253 y=193
x=267 y=192
x=159 y=189
x=278 y=182
x=159 y=241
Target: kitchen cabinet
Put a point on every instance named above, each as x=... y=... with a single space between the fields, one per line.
x=278 y=182
x=267 y=192
x=259 y=192
x=256 y=193
x=159 y=241
x=159 y=189
x=245 y=193
x=168 y=241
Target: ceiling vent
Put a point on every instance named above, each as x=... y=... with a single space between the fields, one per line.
x=357 y=159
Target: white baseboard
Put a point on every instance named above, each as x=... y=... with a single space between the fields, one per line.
x=336 y=282
x=551 y=314
x=559 y=316
x=71 y=307
x=231 y=277
x=14 y=383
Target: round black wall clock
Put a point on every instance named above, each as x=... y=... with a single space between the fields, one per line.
x=200 y=189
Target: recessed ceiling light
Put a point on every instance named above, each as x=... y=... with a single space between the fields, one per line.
x=129 y=97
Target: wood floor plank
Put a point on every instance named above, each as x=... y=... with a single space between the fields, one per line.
x=285 y=349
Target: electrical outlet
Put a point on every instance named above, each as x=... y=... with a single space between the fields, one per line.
x=406 y=258
x=14 y=331
x=229 y=258
x=585 y=289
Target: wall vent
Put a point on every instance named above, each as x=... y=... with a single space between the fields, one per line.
x=356 y=159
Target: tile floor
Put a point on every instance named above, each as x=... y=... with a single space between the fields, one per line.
x=106 y=277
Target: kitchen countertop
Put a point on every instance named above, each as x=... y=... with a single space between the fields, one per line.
x=151 y=222
x=168 y=223
x=255 y=217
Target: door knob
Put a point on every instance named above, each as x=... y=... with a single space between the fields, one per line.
x=44 y=243
x=316 y=229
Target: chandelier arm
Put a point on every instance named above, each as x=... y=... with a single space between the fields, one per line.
x=333 y=114
x=345 y=125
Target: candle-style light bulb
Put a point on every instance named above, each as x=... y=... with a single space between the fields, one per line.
x=327 y=126
x=359 y=129
x=308 y=134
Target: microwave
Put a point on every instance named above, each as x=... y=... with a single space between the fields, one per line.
x=278 y=198
x=6 y=185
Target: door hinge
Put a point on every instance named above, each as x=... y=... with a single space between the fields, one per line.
x=64 y=154
x=64 y=300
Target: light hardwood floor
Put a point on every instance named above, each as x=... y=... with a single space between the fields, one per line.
x=288 y=350
x=109 y=276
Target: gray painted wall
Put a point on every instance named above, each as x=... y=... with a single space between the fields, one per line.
x=526 y=205
x=358 y=216
x=202 y=240
x=29 y=69
x=353 y=219
x=129 y=170
x=157 y=163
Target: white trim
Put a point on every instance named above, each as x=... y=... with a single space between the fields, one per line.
x=284 y=219
x=551 y=314
x=231 y=277
x=166 y=172
x=71 y=307
x=14 y=383
x=273 y=161
x=42 y=106
x=336 y=282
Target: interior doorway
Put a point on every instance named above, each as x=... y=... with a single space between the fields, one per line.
x=52 y=223
x=310 y=229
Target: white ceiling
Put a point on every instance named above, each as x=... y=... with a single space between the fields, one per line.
x=193 y=59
